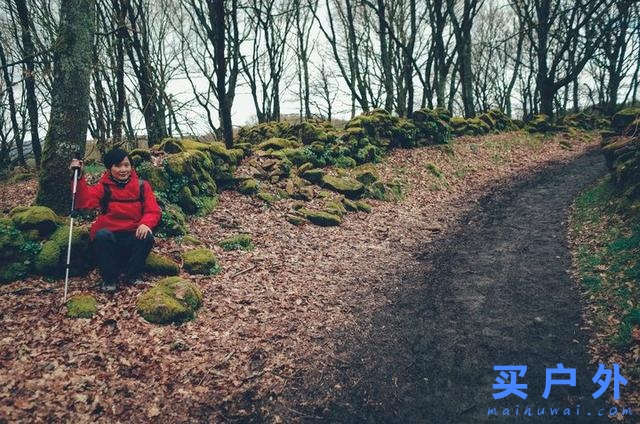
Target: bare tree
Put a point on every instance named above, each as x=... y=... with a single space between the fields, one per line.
x=553 y=28
x=70 y=102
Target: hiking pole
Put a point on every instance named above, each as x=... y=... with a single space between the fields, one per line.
x=73 y=201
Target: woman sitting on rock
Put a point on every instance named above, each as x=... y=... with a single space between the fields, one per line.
x=129 y=211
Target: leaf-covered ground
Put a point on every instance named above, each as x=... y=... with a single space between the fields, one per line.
x=605 y=247
x=267 y=317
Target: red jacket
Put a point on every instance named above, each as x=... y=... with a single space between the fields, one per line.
x=121 y=216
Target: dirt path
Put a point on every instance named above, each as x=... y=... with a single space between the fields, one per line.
x=494 y=292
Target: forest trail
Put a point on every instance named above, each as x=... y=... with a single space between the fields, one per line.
x=338 y=324
x=496 y=291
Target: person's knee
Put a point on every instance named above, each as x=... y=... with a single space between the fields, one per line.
x=148 y=239
x=104 y=235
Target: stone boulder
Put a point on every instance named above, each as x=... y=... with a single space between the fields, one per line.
x=200 y=261
x=171 y=300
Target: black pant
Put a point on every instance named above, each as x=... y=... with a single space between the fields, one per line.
x=121 y=251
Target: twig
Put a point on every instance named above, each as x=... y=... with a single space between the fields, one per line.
x=243 y=271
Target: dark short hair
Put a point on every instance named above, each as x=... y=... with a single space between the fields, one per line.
x=114 y=157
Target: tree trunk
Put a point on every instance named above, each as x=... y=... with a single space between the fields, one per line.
x=29 y=80
x=12 y=106
x=67 y=134
x=224 y=111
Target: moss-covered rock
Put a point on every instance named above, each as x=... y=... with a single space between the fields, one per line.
x=362 y=206
x=248 y=186
x=190 y=240
x=321 y=218
x=38 y=218
x=161 y=265
x=366 y=174
x=335 y=208
x=237 y=242
x=200 y=261
x=171 y=300
x=295 y=219
x=277 y=144
x=81 y=306
x=304 y=167
x=349 y=205
x=540 y=123
x=51 y=260
x=623 y=118
x=351 y=188
x=48 y=259
x=138 y=156
x=313 y=175
x=268 y=198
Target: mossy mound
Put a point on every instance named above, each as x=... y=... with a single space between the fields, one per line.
x=623 y=118
x=171 y=300
x=470 y=126
x=237 y=242
x=335 y=208
x=191 y=240
x=52 y=259
x=248 y=186
x=39 y=218
x=584 y=121
x=138 y=156
x=295 y=219
x=433 y=125
x=362 y=206
x=366 y=174
x=161 y=265
x=81 y=306
x=276 y=143
x=321 y=218
x=540 y=124
x=349 y=205
x=351 y=188
x=200 y=261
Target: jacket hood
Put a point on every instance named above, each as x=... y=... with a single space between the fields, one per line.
x=106 y=180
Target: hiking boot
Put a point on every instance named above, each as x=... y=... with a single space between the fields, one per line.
x=108 y=287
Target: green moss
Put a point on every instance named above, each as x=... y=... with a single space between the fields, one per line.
x=540 y=123
x=351 y=188
x=345 y=162
x=81 y=306
x=48 y=259
x=622 y=119
x=434 y=170
x=186 y=201
x=362 y=206
x=376 y=190
x=349 y=204
x=161 y=265
x=267 y=197
x=237 y=242
x=173 y=221
x=335 y=208
x=172 y=300
x=138 y=156
x=200 y=261
x=366 y=174
x=294 y=219
x=13 y=271
x=38 y=218
x=276 y=143
x=323 y=219
x=191 y=240
x=171 y=145
x=81 y=257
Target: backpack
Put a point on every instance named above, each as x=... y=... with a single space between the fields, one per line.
x=106 y=198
